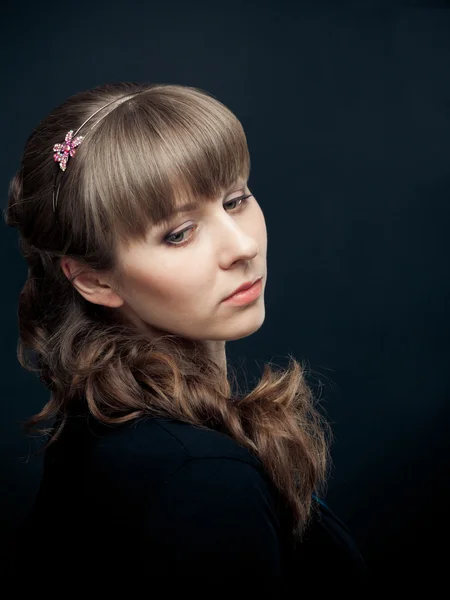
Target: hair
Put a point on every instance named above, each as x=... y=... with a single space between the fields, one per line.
x=138 y=157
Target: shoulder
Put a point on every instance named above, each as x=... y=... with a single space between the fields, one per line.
x=164 y=440
x=145 y=454
x=173 y=475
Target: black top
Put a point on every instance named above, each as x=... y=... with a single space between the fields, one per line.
x=160 y=498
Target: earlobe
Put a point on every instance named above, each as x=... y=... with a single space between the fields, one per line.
x=106 y=298
x=97 y=293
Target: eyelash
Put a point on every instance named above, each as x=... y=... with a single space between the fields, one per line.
x=242 y=206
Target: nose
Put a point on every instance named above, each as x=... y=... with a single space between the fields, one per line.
x=238 y=244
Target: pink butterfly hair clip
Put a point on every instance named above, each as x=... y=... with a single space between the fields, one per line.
x=66 y=149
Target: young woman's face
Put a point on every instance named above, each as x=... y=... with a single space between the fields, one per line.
x=178 y=279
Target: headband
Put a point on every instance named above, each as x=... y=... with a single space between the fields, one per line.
x=71 y=141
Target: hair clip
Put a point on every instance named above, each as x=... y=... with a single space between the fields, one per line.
x=66 y=149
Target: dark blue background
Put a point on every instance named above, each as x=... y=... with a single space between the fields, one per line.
x=347 y=111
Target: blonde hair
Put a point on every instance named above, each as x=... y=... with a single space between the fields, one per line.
x=140 y=155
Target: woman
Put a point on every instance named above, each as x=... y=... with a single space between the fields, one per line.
x=138 y=226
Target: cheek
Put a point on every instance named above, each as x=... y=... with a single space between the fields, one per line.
x=166 y=285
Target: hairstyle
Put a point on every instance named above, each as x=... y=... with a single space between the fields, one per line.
x=138 y=157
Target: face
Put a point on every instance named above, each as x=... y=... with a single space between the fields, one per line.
x=177 y=280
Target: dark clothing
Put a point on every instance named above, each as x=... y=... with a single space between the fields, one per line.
x=163 y=499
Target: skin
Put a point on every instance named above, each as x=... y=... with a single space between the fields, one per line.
x=180 y=288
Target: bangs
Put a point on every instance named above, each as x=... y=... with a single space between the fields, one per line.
x=164 y=148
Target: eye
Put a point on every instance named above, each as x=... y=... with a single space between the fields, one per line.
x=242 y=199
x=174 y=240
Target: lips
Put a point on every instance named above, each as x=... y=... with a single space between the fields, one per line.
x=244 y=286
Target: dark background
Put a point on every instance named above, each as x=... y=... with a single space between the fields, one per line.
x=346 y=106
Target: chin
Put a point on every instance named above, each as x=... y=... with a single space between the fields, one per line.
x=252 y=325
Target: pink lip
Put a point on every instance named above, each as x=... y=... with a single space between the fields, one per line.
x=244 y=286
x=246 y=293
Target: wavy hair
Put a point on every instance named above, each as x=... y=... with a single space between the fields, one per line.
x=139 y=156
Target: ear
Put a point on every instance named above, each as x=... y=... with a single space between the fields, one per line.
x=91 y=284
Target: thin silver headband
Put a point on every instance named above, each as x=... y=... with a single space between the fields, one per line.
x=68 y=147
